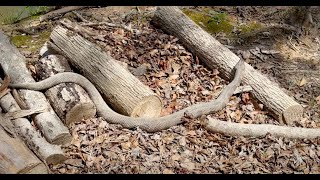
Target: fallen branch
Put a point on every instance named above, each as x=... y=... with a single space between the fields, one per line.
x=58 y=12
x=258 y=130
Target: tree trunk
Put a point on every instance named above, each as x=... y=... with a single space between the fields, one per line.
x=49 y=153
x=15 y=66
x=120 y=89
x=70 y=101
x=16 y=158
x=215 y=55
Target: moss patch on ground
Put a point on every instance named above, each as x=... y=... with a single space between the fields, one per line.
x=213 y=23
x=33 y=43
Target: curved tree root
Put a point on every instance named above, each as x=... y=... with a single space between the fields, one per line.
x=258 y=130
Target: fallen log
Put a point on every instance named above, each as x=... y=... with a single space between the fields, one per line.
x=16 y=158
x=121 y=90
x=69 y=100
x=260 y=130
x=58 y=12
x=14 y=65
x=215 y=55
x=49 y=153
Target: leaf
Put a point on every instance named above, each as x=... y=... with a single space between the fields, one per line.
x=318 y=100
x=126 y=145
x=245 y=97
x=188 y=165
x=176 y=157
x=303 y=82
x=176 y=68
x=167 y=171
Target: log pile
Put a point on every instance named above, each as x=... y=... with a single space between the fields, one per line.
x=22 y=152
x=69 y=100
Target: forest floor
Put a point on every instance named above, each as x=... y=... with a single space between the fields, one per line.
x=180 y=79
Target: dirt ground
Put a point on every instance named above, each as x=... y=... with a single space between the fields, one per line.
x=180 y=79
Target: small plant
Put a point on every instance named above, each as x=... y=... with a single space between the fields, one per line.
x=211 y=21
x=35 y=10
x=12 y=17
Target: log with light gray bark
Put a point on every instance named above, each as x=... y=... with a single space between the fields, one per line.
x=173 y=21
x=49 y=153
x=70 y=101
x=16 y=158
x=121 y=90
x=14 y=64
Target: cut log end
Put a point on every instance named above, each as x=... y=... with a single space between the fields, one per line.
x=56 y=159
x=149 y=106
x=292 y=113
x=62 y=139
x=79 y=112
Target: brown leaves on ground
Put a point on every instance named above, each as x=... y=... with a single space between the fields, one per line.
x=163 y=64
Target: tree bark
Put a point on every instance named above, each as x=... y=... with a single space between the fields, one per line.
x=259 y=130
x=16 y=158
x=49 y=153
x=70 y=101
x=15 y=67
x=120 y=89
x=215 y=55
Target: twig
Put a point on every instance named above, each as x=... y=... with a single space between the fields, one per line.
x=112 y=25
x=24 y=113
x=61 y=11
x=80 y=16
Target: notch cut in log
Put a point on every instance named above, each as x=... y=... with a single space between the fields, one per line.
x=14 y=65
x=172 y=20
x=70 y=101
x=120 y=89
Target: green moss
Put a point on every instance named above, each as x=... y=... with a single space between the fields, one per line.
x=21 y=40
x=211 y=21
x=248 y=28
x=33 y=44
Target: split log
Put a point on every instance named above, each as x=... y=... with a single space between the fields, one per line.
x=70 y=101
x=16 y=158
x=58 y=12
x=49 y=153
x=120 y=89
x=260 y=130
x=15 y=67
x=215 y=55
